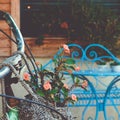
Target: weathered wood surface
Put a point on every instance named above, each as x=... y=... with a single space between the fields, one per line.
x=4 y=52
x=5 y=43
x=4 y=25
x=5 y=5
x=4 y=1
x=49 y=47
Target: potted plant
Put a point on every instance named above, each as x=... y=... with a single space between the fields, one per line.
x=102 y=65
x=115 y=66
x=101 y=62
x=51 y=85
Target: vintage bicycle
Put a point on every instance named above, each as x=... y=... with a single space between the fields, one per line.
x=31 y=107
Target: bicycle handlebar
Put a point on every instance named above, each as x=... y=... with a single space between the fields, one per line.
x=19 y=39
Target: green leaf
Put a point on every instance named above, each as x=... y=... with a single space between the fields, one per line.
x=56 y=99
x=70 y=61
x=71 y=67
x=73 y=77
x=41 y=93
x=54 y=91
x=77 y=80
x=64 y=92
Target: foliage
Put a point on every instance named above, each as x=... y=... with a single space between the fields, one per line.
x=92 y=23
x=95 y=24
x=114 y=63
x=101 y=62
x=51 y=84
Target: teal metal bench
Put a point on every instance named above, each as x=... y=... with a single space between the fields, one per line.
x=101 y=93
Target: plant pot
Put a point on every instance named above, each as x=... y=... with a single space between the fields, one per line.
x=102 y=68
x=115 y=68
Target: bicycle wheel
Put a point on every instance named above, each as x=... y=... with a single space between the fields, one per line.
x=13 y=59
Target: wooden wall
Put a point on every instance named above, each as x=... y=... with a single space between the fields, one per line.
x=13 y=7
x=49 y=47
x=5 y=44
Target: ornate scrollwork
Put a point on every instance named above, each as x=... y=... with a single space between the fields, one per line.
x=94 y=52
x=77 y=52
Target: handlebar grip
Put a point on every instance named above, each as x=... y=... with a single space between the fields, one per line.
x=18 y=36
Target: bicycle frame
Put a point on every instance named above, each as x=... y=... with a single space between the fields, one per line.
x=14 y=62
x=5 y=71
x=19 y=39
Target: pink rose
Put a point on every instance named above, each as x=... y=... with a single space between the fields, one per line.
x=69 y=71
x=73 y=96
x=65 y=46
x=66 y=49
x=65 y=86
x=26 y=76
x=37 y=63
x=47 y=85
x=77 y=68
x=64 y=25
x=85 y=84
